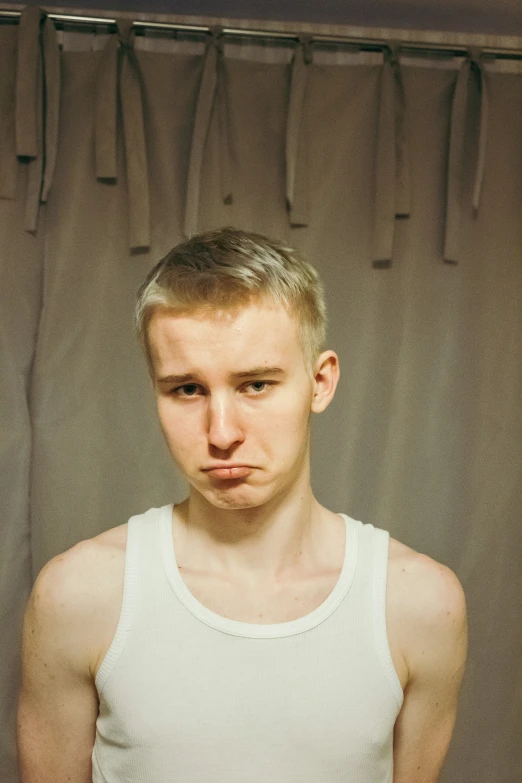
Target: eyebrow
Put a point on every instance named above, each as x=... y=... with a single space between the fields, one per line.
x=253 y=373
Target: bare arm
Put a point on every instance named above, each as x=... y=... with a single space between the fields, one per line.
x=438 y=639
x=58 y=702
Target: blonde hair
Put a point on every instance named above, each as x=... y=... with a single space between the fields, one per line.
x=228 y=268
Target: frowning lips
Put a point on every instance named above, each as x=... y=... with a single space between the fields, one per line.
x=229 y=471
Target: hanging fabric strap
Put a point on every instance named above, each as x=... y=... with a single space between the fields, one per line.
x=392 y=170
x=296 y=150
x=134 y=135
x=105 y=119
x=483 y=132
x=51 y=51
x=37 y=137
x=9 y=164
x=119 y=66
x=27 y=79
x=212 y=87
x=225 y=154
x=472 y=63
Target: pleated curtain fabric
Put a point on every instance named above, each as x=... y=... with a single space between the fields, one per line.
x=423 y=437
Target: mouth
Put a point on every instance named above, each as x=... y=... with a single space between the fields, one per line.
x=233 y=472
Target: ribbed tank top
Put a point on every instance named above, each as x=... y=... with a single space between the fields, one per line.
x=189 y=696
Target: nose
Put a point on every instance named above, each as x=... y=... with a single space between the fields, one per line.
x=224 y=427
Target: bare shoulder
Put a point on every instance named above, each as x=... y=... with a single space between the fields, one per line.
x=429 y=583
x=86 y=563
x=83 y=587
x=428 y=605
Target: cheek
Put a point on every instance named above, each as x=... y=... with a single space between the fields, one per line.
x=286 y=425
x=177 y=427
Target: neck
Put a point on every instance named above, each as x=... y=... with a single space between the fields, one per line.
x=271 y=541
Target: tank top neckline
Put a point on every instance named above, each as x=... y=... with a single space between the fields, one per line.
x=272 y=630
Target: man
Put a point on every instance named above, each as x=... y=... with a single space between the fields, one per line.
x=248 y=633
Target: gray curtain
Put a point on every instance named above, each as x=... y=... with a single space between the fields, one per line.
x=423 y=437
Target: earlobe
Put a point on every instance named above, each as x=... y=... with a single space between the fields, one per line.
x=321 y=401
x=318 y=405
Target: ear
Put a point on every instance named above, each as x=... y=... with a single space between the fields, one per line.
x=326 y=377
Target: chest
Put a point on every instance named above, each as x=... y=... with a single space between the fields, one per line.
x=262 y=604
x=266 y=604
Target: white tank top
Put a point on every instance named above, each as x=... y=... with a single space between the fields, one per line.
x=189 y=696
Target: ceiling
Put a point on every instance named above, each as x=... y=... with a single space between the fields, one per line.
x=494 y=17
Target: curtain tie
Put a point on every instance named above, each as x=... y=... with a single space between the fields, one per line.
x=36 y=117
x=119 y=67
x=8 y=160
x=224 y=134
x=472 y=63
x=296 y=149
x=392 y=169
x=51 y=51
x=212 y=87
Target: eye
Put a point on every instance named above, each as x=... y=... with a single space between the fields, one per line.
x=189 y=387
x=263 y=384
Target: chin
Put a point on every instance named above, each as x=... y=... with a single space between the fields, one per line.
x=227 y=499
x=234 y=494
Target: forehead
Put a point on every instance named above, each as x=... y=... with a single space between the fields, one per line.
x=259 y=332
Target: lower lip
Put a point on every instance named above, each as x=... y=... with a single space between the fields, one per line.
x=230 y=473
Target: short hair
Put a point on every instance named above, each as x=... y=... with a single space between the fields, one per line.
x=228 y=268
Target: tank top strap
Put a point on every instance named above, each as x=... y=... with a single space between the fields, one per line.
x=373 y=572
x=142 y=558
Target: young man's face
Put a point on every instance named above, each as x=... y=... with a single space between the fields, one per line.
x=242 y=398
